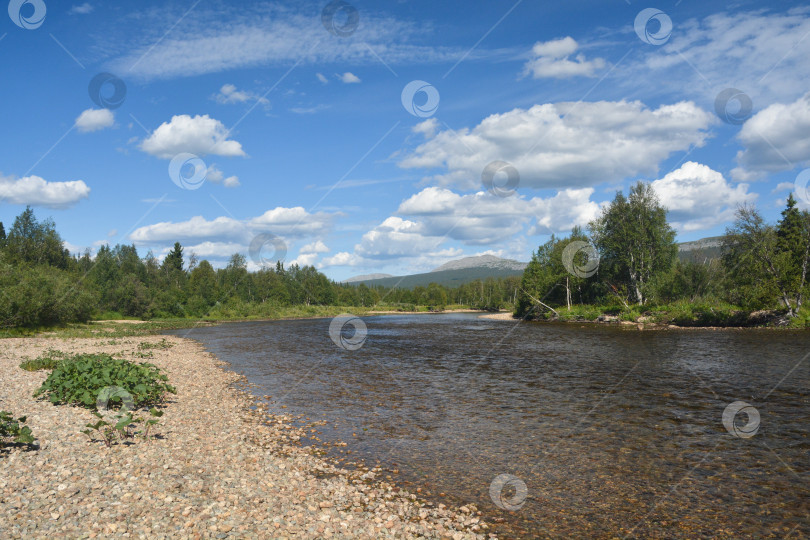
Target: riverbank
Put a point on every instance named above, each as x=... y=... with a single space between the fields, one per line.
x=221 y=467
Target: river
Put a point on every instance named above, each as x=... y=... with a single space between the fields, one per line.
x=603 y=431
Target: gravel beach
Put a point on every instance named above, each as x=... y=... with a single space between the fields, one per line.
x=221 y=466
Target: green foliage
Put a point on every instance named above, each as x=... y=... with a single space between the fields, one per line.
x=635 y=241
x=80 y=380
x=120 y=427
x=49 y=360
x=13 y=430
x=162 y=344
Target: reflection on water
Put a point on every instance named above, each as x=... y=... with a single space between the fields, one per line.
x=615 y=432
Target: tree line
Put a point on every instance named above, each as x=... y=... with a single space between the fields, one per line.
x=629 y=261
x=42 y=284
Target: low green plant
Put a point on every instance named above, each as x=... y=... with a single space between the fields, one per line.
x=162 y=344
x=120 y=427
x=139 y=354
x=48 y=360
x=79 y=380
x=13 y=430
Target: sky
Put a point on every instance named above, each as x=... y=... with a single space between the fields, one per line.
x=393 y=136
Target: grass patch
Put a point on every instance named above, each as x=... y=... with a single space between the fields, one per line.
x=81 y=379
x=162 y=344
x=48 y=360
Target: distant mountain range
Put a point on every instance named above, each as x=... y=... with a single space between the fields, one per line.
x=458 y=272
x=450 y=274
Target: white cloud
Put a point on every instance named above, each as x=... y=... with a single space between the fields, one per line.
x=766 y=55
x=565 y=145
x=349 y=78
x=428 y=128
x=232 y=182
x=551 y=59
x=213 y=174
x=230 y=94
x=309 y=110
x=783 y=186
x=775 y=139
x=267 y=34
x=321 y=78
x=81 y=9
x=198 y=135
x=94 y=120
x=315 y=247
x=288 y=223
x=436 y=216
x=698 y=197
x=34 y=190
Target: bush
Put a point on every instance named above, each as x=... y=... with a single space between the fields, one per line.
x=13 y=429
x=41 y=296
x=79 y=380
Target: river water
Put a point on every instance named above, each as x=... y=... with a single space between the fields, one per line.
x=614 y=432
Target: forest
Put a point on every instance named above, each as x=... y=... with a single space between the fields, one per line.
x=626 y=265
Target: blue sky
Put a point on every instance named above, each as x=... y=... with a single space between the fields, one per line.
x=264 y=120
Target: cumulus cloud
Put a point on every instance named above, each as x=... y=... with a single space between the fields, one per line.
x=34 y=190
x=94 y=120
x=349 y=78
x=698 y=197
x=321 y=78
x=231 y=182
x=435 y=216
x=200 y=135
x=552 y=59
x=775 y=139
x=565 y=145
x=229 y=94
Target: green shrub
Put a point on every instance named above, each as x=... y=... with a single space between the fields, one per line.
x=79 y=380
x=12 y=430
